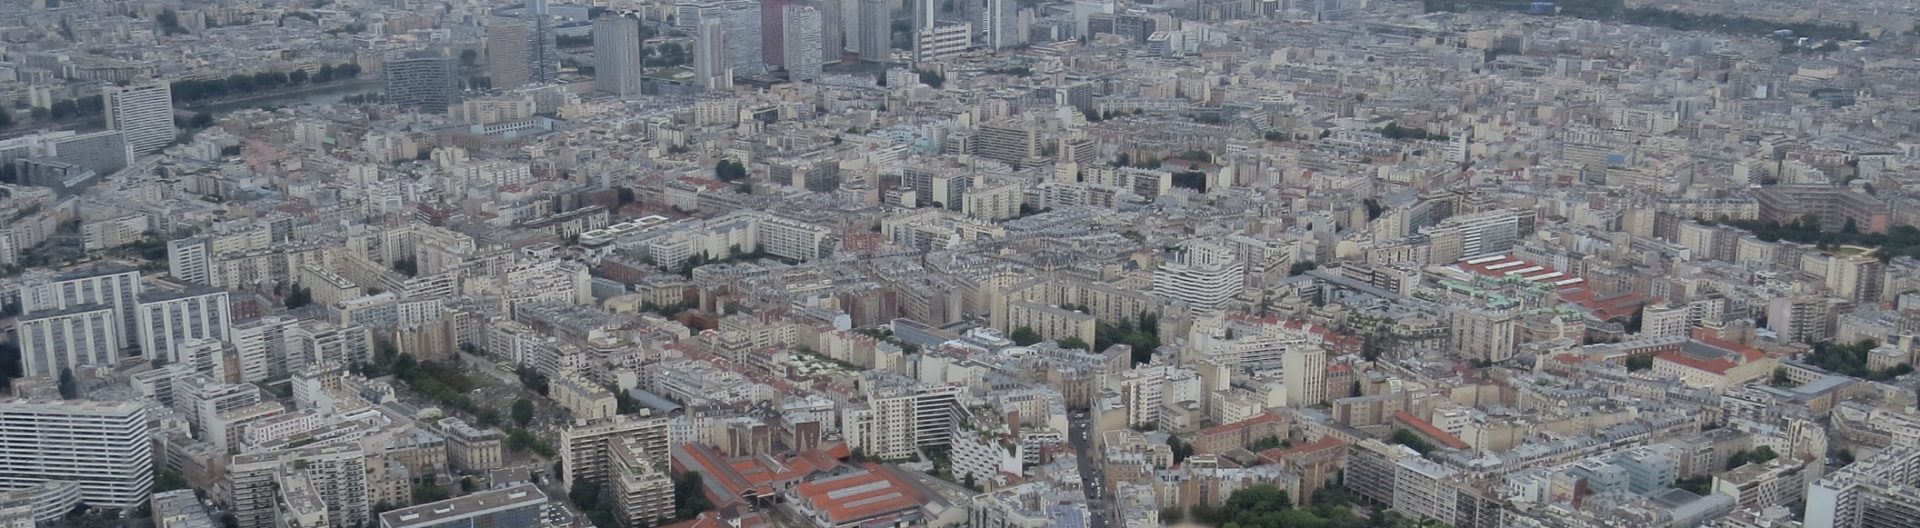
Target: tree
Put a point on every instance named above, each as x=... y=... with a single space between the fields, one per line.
x=301 y=296
x=164 y=480
x=1699 y=485
x=1074 y=342
x=429 y=492
x=624 y=403
x=201 y=120
x=522 y=412
x=729 y=170
x=931 y=78
x=1181 y=449
x=469 y=58
x=1301 y=267
x=1639 y=363
x=466 y=484
x=1172 y=515
x=1408 y=438
x=585 y=494
x=407 y=266
x=10 y=366
x=1758 y=455
x=689 y=496
x=520 y=440
x=69 y=387
x=1024 y=336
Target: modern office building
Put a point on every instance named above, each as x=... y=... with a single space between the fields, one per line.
x=800 y=31
x=113 y=285
x=421 y=80
x=833 y=31
x=1474 y=235
x=517 y=505
x=743 y=39
x=143 y=112
x=617 y=55
x=710 y=59
x=773 y=32
x=875 y=31
x=1002 y=24
x=103 y=446
x=55 y=340
x=167 y=319
x=510 y=53
x=543 y=59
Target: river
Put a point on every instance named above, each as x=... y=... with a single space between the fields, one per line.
x=316 y=95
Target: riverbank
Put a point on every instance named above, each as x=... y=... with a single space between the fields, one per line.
x=315 y=94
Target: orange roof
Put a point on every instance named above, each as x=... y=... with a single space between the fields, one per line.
x=872 y=493
x=1712 y=337
x=1324 y=443
x=1429 y=431
x=1267 y=417
x=839 y=450
x=1716 y=366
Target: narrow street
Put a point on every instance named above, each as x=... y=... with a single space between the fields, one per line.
x=1092 y=480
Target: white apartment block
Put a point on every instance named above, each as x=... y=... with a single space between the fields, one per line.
x=144 y=113
x=52 y=341
x=801 y=50
x=166 y=320
x=1205 y=277
x=587 y=448
x=1304 y=369
x=103 y=446
x=112 y=285
x=943 y=41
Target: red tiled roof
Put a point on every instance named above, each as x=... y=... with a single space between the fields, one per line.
x=873 y=493
x=1429 y=431
x=1276 y=454
x=1250 y=422
x=1717 y=366
x=1712 y=338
